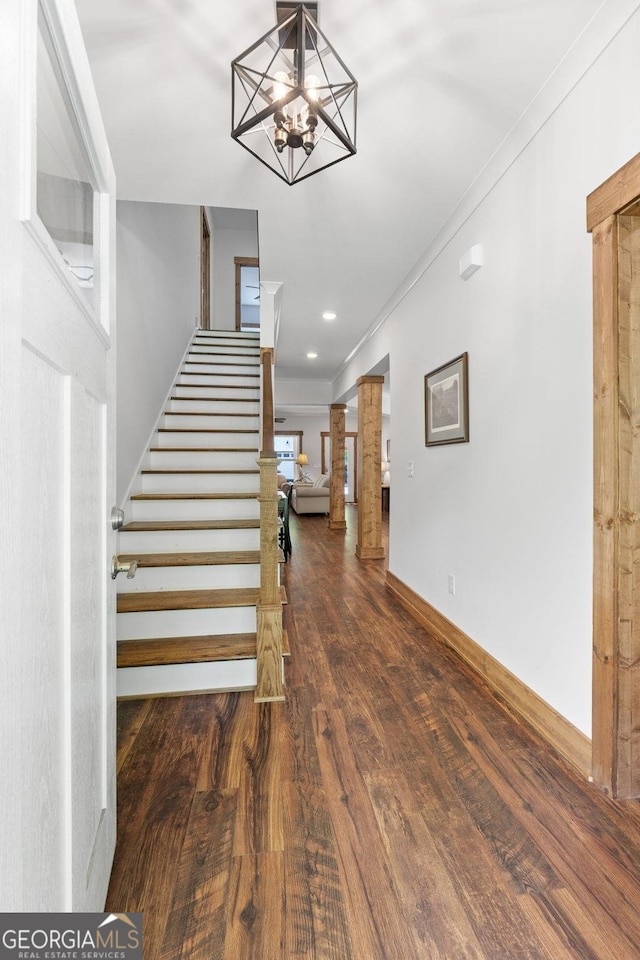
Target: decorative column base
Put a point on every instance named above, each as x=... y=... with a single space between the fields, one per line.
x=269 y=653
x=337 y=524
x=369 y=553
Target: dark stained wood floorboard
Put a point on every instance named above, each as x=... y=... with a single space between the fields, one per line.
x=390 y=809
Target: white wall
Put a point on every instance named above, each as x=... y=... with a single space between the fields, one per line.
x=510 y=513
x=158 y=301
x=227 y=243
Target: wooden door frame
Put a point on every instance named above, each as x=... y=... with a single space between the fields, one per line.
x=241 y=262
x=613 y=210
x=205 y=271
x=323 y=459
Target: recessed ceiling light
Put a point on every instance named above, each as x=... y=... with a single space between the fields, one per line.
x=312 y=355
x=328 y=315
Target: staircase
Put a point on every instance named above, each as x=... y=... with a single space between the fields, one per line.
x=187 y=620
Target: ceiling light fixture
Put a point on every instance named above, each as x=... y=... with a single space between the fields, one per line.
x=293 y=99
x=328 y=315
x=312 y=356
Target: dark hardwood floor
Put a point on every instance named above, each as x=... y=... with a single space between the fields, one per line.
x=391 y=809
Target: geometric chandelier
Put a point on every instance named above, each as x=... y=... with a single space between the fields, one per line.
x=293 y=99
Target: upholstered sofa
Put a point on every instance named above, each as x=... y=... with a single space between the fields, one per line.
x=311 y=497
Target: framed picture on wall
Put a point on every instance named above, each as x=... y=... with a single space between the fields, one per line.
x=446 y=403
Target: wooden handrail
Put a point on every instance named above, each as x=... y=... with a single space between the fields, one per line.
x=269 y=607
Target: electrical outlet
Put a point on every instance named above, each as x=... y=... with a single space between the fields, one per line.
x=452 y=585
x=411 y=468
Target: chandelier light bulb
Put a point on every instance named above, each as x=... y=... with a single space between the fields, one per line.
x=312 y=85
x=281 y=86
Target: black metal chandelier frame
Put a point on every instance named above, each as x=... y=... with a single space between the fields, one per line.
x=293 y=96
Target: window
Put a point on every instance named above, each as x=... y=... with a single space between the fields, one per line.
x=65 y=188
x=288 y=446
x=247 y=293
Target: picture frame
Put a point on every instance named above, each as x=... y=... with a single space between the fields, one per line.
x=446 y=403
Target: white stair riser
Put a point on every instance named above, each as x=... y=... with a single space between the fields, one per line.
x=170 y=541
x=219 y=576
x=217 y=393
x=221 y=407
x=207 y=363
x=200 y=483
x=201 y=421
x=202 y=460
x=208 y=438
x=223 y=380
x=193 y=509
x=223 y=338
x=185 y=623
x=186 y=678
x=241 y=348
x=222 y=363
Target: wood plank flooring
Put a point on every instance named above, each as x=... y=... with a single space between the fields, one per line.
x=391 y=809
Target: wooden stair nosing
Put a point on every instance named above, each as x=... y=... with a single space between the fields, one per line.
x=241 y=337
x=206 y=413
x=220 y=400
x=204 y=449
x=193 y=559
x=239 y=495
x=170 y=650
x=241 y=343
x=223 y=386
x=203 y=373
x=190 y=472
x=206 y=430
x=137 y=526
x=158 y=600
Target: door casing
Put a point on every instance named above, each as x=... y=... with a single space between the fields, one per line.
x=613 y=218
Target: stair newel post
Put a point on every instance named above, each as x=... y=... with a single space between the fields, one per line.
x=269 y=607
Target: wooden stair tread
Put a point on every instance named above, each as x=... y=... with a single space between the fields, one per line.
x=189 y=472
x=186 y=559
x=203 y=373
x=233 y=495
x=220 y=400
x=168 y=650
x=137 y=525
x=237 y=348
x=206 y=429
x=244 y=344
x=205 y=413
x=203 y=449
x=188 y=599
x=223 y=386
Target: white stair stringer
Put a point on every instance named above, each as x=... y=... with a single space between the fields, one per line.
x=194 y=527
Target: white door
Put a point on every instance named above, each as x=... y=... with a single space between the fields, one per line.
x=57 y=700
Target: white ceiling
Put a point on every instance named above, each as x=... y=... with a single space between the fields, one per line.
x=441 y=83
